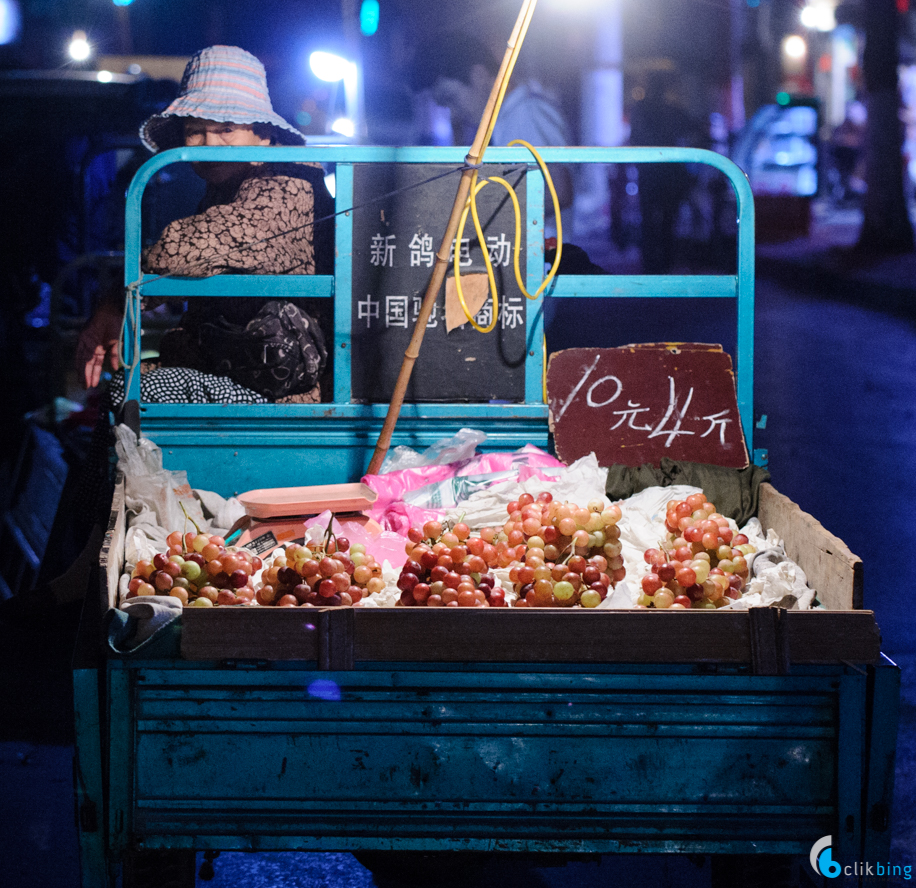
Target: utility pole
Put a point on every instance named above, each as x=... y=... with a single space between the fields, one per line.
x=886 y=225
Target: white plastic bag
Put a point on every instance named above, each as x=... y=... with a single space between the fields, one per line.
x=147 y=485
x=461 y=446
x=136 y=455
x=580 y=482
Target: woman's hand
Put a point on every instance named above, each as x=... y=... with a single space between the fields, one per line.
x=100 y=340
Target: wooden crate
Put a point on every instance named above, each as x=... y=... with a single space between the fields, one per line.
x=766 y=639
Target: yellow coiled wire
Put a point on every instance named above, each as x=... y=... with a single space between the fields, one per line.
x=471 y=207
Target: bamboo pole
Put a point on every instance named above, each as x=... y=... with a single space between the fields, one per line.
x=474 y=156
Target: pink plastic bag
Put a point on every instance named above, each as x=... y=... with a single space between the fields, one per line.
x=394 y=514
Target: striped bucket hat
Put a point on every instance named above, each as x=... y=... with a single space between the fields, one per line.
x=222 y=83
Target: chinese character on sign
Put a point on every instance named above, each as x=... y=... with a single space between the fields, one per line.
x=433 y=315
x=396 y=311
x=675 y=415
x=512 y=312
x=500 y=249
x=464 y=252
x=485 y=316
x=367 y=309
x=717 y=419
x=634 y=409
x=421 y=250
x=381 y=250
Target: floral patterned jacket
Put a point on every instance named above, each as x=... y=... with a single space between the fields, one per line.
x=264 y=224
x=261 y=225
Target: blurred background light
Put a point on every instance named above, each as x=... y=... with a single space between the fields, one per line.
x=794 y=46
x=79 y=48
x=344 y=126
x=104 y=77
x=818 y=17
x=122 y=2
x=10 y=21
x=329 y=67
x=369 y=17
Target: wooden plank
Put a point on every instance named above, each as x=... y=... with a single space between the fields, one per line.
x=823 y=637
x=832 y=570
x=453 y=635
x=547 y=635
x=249 y=633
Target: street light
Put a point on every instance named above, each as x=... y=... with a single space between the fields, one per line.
x=332 y=68
x=794 y=47
x=344 y=126
x=79 y=47
x=818 y=16
x=10 y=21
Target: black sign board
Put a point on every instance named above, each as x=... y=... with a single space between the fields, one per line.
x=395 y=241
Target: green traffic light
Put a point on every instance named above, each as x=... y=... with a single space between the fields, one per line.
x=369 y=17
x=783 y=98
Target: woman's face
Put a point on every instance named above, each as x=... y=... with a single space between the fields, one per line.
x=210 y=133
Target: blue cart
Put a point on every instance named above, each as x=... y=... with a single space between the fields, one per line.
x=605 y=732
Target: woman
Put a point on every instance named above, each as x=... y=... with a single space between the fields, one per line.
x=254 y=218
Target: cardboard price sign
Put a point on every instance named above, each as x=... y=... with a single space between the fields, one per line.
x=638 y=403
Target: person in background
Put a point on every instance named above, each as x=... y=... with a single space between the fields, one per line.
x=255 y=218
x=847 y=147
x=658 y=121
x=459 y=71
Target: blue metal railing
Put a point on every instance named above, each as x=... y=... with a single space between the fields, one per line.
x=739 y=286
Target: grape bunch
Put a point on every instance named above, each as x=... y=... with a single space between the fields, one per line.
x=199 y=570
x=701 y=564
x=560 y=554
x=321 y=573
x=448 y=567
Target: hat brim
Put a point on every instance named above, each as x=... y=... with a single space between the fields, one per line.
x=163 y=131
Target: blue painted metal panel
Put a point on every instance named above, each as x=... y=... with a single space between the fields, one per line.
x=325 y=458
x=535 y=362
x=883 y=719
x=503 y=759
x=290 y=285
x=851 y=743
x=89 y=781
x=301 y=444
x=343 y=308
x=121 y=752
x=642 y=286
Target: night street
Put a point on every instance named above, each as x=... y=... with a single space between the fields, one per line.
x=837 y=382
x=226 y=231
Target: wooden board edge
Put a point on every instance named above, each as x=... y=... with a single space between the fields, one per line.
x=417 y=635
x=111 y=555
x=833 y=571
x=249 y=633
